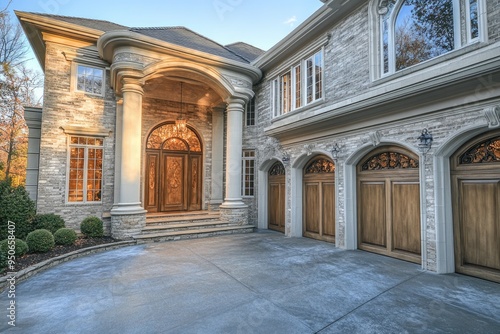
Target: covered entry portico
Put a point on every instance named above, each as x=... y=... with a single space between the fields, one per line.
x=145 y=76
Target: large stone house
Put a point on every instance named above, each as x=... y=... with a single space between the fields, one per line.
x=374 y=125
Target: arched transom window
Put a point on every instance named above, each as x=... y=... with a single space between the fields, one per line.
x=414 y=31
x=168 y=137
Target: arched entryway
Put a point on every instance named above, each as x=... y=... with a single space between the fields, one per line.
x=173 y=177
x=276 y=197
x=475 y=181
x=388 y=200
x=319 y=199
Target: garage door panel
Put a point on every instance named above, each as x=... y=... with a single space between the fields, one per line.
x=406 y=217
x=274 y=205
x=373 y=213
x=328 y=220
x=479 y=223
x=312 y=208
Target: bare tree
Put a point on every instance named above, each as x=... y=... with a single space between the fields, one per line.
x=17 y=89
x=13 y=50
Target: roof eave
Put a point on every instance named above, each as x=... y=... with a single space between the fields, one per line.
x=317 y=23
x=34 y=25
x=109 y=41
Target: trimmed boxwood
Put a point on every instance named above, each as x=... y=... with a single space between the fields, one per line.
x=40 y=241
x=92 y=227
x=20 y=249
x=65 y=236
x=48 y=221
x=17 y=207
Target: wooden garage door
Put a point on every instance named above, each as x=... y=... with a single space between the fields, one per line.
x=276 y=204
x=476 y=208
x=389 y=204
x=319 y=199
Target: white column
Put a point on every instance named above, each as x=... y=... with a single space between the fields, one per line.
x=217 y=157
x=128 y=157
x=235 y=110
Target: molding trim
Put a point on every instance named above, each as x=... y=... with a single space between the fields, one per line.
x=77 y=130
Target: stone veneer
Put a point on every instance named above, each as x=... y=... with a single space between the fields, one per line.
x=65 y=108
x=126 y=226
x=237 y=216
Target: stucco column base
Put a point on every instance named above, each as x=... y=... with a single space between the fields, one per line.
x=236 y=216
x=124 y=225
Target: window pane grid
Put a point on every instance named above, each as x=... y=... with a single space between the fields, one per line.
x=85 y=169
x=248 y=173
x=90 y=79
x=250 y=119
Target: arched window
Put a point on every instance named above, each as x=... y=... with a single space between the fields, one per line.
x=414 y=31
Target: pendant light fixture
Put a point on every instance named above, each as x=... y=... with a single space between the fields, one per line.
x=181 y=122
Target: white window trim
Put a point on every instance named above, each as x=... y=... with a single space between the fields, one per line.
x=377 y=42
x=74 y=78
x=276 y=85
x=83 y=132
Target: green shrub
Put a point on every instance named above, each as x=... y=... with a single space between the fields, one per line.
x=65 y=236
x=3 y=261
x=21 y=247
x=40 y=241
x=17 y=207
x=92 y=227
x=48 y=221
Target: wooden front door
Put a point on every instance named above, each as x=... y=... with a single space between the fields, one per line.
x=173 y=170
x=319 y=199
x=276 y=200
x=476 y=208
x=389 y=204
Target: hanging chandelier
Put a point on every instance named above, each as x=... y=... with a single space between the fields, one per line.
x=181 y=122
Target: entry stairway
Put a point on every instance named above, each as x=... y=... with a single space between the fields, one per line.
x=182 y=225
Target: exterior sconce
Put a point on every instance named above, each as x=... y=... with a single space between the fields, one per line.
x=425 y=143
x=335 y=151
x=286 y=158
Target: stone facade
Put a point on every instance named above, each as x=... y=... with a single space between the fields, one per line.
x=454 y=96
x=63 y=108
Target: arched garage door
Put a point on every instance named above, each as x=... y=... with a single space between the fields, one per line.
x=389 y=203
x=276 y=204
x=475 y=173
x=319 y=199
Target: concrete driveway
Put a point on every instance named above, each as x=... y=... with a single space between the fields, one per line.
x=251 y=283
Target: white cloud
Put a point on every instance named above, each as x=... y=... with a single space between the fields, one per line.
x=291 y=21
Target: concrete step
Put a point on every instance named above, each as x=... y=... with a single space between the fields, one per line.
x=179 y=226
x=193 y=233
x=181 y=218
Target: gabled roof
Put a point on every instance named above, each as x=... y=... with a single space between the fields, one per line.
x=180 y=36
x=187 y=38
x=249 y=52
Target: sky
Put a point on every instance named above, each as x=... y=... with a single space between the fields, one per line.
x=261 y=23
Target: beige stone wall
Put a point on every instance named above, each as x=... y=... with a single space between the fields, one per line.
x=64 y=108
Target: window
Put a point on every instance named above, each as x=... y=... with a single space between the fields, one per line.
x=250 y=112
x=248 y=173
x=472 y=20
x=90 y=80
x=414 y=31
x=85 y=169
x=302 y=83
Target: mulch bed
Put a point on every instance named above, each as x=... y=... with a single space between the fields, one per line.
x=82 y=242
